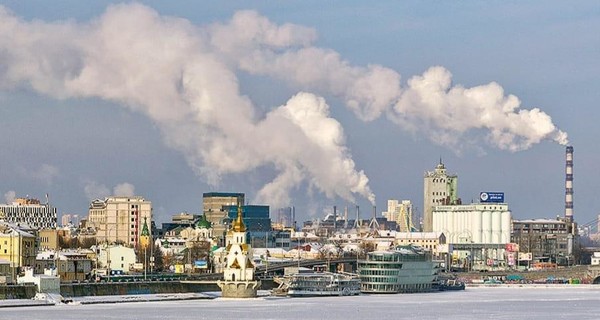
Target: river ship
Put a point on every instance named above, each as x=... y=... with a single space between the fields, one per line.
x=405 y=269
x=323 y=284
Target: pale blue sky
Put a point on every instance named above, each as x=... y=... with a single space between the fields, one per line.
x=544 y=52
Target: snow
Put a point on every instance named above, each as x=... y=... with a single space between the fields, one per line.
x=516 y=302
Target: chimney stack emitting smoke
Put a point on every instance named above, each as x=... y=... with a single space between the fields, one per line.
x=334 y=218
x=569 y=184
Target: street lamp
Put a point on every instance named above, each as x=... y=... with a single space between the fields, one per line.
x=108 y=255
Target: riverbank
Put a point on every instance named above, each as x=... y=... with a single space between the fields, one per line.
x=57 y=299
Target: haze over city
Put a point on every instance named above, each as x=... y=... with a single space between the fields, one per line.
x=299 y=104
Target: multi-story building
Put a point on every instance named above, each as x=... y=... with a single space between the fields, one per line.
x=284 y=218
x=212 y=208
x=547 y=240
x=17 y=247
x=430 y=241
x=69 y=219
x=120 y=219
x=29 y=212
x=48 y=239
x=402 y=214
x=439 y=188
x=70 y=265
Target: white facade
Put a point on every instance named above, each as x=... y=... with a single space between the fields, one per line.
x=596 y=259
x=116 y=257
x=120 y=219
x=48 y=282
x=239 y=266
x=482 y=223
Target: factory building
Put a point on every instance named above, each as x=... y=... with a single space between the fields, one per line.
x=476 y=234
x=544 y=240
x=439 y=188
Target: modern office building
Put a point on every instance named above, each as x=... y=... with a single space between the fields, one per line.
x=213 y=204
x=120 y=219
x=29 y=212
x=439 y=188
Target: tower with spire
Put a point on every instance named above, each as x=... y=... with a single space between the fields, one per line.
x=439 y=188
x=238 y=275
x=145 y=236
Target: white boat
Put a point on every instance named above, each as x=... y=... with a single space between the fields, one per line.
x=323 y=284
x=405 y=269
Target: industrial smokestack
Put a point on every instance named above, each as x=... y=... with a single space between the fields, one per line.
x=345 y=217
x=334 y=218
x=294 y=217
x=569 y=185
x=357 y=221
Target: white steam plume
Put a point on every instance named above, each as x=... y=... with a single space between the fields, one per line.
x=124 y=189
x=166 y=68
x=10 y=196
x=93 y=190
x=430 y=104
x=183 y=77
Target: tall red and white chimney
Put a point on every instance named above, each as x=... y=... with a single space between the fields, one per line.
x=569 y=185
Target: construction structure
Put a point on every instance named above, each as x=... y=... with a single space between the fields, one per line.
x=402 y=213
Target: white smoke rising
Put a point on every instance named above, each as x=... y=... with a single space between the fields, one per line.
x=431 y=104
x=94 y=190
x=10 y=196
x=45 y=174
x=124 y=189
x=183 y=77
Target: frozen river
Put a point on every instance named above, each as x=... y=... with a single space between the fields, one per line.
x=574 y=302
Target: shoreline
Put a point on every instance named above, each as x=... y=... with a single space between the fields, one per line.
x=116 y=299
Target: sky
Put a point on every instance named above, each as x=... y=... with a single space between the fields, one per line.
x=301 y=103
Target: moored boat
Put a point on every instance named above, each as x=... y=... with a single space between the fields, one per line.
x=323 y=284
x=451 y=284
x=405 y=269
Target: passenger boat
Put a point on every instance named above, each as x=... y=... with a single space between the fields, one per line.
x=323 y=284
x=451 y=284
x=405 y=269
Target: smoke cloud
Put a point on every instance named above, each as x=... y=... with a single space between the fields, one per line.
x=183 y=77
x=10 y=196
x=93 y=190
x=124 y=190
